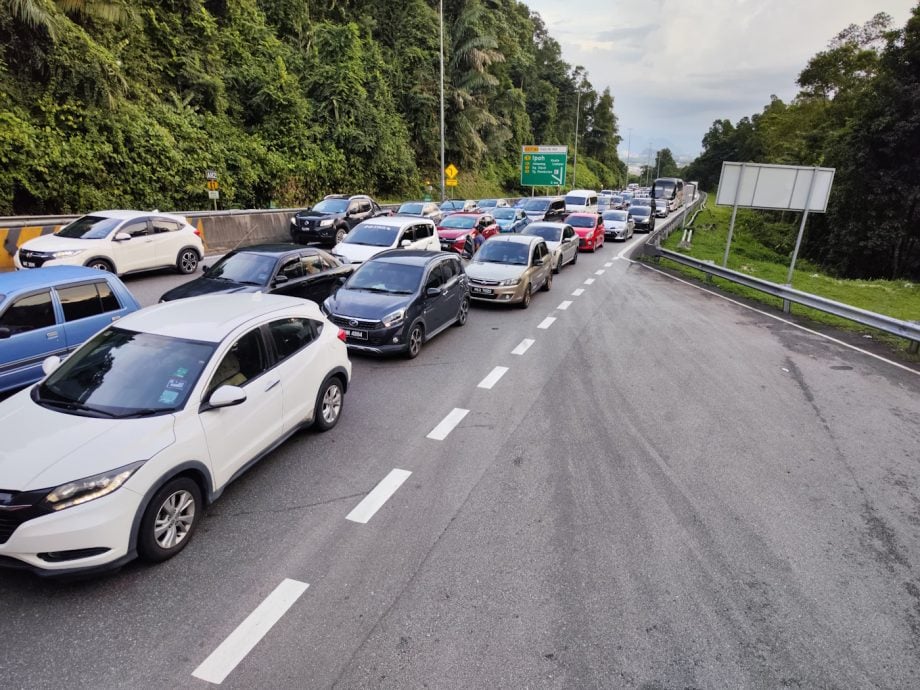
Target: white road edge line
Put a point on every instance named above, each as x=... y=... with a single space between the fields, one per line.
x=247 y=635
x=785 y=321
x=547 y=322
x=523 y=346
x=599 y=272
x=379 y=495
x=578 y=292
x=589 y=281
x=453 y=418
x=492 y=378
x=608 y=264
x=564 y=304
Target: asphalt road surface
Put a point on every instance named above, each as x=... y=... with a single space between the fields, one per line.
x=663 y=489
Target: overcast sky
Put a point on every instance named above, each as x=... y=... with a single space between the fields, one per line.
x=674 y=66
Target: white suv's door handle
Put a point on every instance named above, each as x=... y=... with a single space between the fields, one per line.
x=272 y=385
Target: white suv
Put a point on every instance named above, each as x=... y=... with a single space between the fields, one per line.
x=376 y=235
x=118 y=451
x=119 y=242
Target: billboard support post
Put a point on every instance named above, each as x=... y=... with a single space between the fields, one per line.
x=787 y=306
x=731 y=226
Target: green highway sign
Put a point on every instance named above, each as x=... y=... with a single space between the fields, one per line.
x=543 y=166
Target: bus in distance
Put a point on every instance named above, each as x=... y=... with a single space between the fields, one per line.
x=669 y=190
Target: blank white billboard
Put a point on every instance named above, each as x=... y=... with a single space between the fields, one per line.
x=775 y=187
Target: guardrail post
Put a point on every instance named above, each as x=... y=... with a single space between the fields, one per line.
x=914 y=347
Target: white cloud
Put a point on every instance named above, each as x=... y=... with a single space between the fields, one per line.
x=674 y=66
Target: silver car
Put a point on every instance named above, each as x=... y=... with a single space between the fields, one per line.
x=561 y=240
x=618 y=225
x=509 y=268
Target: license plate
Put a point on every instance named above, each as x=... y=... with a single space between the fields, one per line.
x=358 y=335
x=481 y=291
x=446 y=245
x=28 y=264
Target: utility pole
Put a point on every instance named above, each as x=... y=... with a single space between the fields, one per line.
x=575 y=164
x=658 y=156
x=648 y=163
x=628 y=145
x=443 y=163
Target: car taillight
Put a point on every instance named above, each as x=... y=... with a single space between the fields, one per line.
x=342 y=335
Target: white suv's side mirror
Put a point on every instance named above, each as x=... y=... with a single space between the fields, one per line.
x=226 y=396
x=122 y=237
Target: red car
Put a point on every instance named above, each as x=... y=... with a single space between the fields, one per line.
x=590 y=229
x=453 y=229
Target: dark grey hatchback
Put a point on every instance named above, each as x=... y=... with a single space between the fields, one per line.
x=400 y=299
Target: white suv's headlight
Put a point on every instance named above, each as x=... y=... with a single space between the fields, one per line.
x=64 y=253
x=509 y=282
x=89 y=489
x=394 y=319
x=325 y=223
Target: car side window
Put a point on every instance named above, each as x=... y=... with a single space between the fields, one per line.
x=161 y=225
x=312 y=263
x=423 y=232
x=292 y=269
x=244 y=361
x=327 y=261
x=448 y=270
x=136 y=228
x=352 y=208
x=364 y=206
x=82 y=301
x=567 y=233
x=291 y=335
x=407 y=234
x=28 y=313
x=435 y=277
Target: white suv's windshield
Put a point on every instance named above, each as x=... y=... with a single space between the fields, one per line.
x=121 y=373
x=89 y=228
x=372 y=235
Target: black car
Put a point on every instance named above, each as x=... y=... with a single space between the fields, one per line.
x=281 y=269
x=330 y=220
x=547 y=208
x=645 y=219
x=399 y=299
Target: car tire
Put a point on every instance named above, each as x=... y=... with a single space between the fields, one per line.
x=575 y=258
x=525 y=301
x=340 y=234
x=187 y=261
x=558 y=266
x=161 y=534
x=415 y=340
x=548 y=285
x=464 y=312
x=329 y=403
x=101 y=265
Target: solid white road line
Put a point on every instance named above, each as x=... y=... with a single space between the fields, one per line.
x=547 y=322
x=589 y=281
x=379 y=495
x=785 y=321
x=608 y=264
x=492 y=378
x=241 y=641
x=453 y=418
x=578 y=292
x=565 y=304
x=599 y=272
x=523 y=346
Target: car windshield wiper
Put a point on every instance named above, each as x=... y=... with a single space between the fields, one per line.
x=143 y=412
x=248 y=282
x=376 y=289
x=74 y=405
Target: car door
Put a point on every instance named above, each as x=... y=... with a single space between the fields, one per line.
x=30 y=326
x=422 y=234
x=542 y=271
x=289 y=277
x=300 y=366
x=166 y=240
x=453 y=288
x=436 y=308
x=319 y=278
x=87 y=308
x=237 y=434
x=569 y=243
x=136 y=253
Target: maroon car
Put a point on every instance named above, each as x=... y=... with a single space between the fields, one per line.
x=454 y=229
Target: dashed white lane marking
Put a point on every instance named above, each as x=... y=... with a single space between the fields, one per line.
x=247 y=635
x=608 y=264
x=453 y=418
x=589 y=281
x=599 y=272
x=379 y=495
x=565 y=304
x=578 y=292
x=547 y=322
x=492 y=378
x=523 y=346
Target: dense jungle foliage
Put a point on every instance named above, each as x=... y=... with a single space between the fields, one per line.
x=126 y=103
x=858 y=110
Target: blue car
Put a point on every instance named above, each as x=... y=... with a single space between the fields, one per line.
x=511 y=219
x=51 y=311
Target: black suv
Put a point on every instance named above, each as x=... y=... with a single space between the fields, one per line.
x=330 y=220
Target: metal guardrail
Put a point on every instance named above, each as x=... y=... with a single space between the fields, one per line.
x=903 y=329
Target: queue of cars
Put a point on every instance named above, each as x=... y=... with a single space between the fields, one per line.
x=143 y=416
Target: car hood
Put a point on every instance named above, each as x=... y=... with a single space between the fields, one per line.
x=207 y=286
x=45 y=448
x=480 y=270
x=54 y=243
x=614 y=224
x=583 y=232
x=452 y=233
x=535 y=215
x=371 y=306
x=357 y=253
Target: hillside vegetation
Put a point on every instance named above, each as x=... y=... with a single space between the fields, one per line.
x=126 y=103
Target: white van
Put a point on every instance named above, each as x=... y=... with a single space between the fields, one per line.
x=581 y=201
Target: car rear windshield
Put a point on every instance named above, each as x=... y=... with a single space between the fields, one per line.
x=487 y=203
x=89 y=228
x=615 y=215
x=372 y=235
x=243 y=267
x=536 y=205
x=547 y=232
x=410 y=208
x=574 y=200
x=451 y=205
x=640 y=210
x=331 y=206
x=493 y=252
x=385 y=276
x=122 y=373
x=458 y=222
x=505 y=214
x=581 y=221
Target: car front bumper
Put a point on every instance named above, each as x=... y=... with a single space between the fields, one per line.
x=506 y=294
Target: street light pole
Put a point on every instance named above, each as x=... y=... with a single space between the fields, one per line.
x=628 y=146
x=648 y=163
x=443 y=180
x=575 y=164
x=658 y=172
